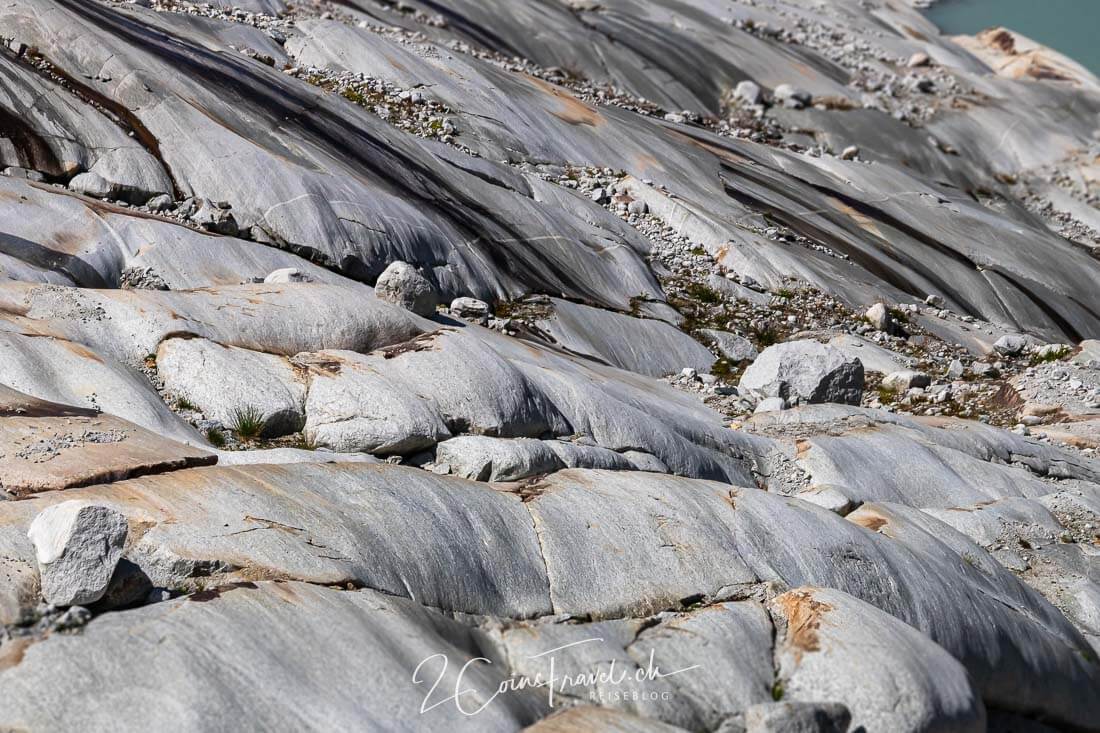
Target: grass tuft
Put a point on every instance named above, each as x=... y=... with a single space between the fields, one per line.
x=248 y=422
x=701 y=293
x=1052 y=356
x=215 y=437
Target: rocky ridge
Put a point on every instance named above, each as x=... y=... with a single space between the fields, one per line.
x=749 y=339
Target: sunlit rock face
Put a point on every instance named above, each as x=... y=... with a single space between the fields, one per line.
x=767 y=394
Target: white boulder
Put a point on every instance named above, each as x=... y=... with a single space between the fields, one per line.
x=805 y=371
x=905 y=380
x=77 y=546
x=402 y=285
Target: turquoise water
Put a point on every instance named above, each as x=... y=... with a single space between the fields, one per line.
x=1070 y=26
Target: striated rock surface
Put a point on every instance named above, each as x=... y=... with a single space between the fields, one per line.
x=765 y=397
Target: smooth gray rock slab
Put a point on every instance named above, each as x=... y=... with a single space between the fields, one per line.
x=353 y=407
x=714 y=661
x=733 y=347
x=128 y=325
x=448 y=543
x=805 y=372
x=285 y=275
x=45 y=446
x=225 y=382
x=60 y=371
x=77 y=546
x=798 y=717
x=481 y=458
x=585 y=508
x=279 y=456
x=575 y=455
x=828 y=497
x=279 y=654
x=641 y=345
x=873 y=357
x=833 y=647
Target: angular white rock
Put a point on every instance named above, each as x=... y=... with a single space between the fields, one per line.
x=77 y=546
x=286 y=275
x=905 y=380
x=732 y=346
x=771 y=404
x=805 y=371
x=470 y=309
x=402 y=285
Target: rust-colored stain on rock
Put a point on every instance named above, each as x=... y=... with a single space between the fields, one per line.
x=865 y=223
x=570 y=109
x=804 y=614
x=869 y=519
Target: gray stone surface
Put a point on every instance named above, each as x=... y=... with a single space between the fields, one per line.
x=77 y=547
x=805 y=372
x=227 y=382
x=69 y=373
x=640 y=345
x=402 y=285
x=903 y=381
x=828 y=497
x=282 y=654
x=730 y=345
x=893 y=678
x=873 y=357
x=196 y=202
x=45 y=446
x=497 y=459
x=351 y=407
x=797 y=717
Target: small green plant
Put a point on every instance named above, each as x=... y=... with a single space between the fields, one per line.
x=764 y=335
x=898 y=315
x=969 y=559
x=698 y=251
x=722 y=369
x=785 y=293
x=185 y=404
x=701 y=293
x=354 y=95
x=1051 y=356
x=777 y=691
x=248 y=422
x=215 y=437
